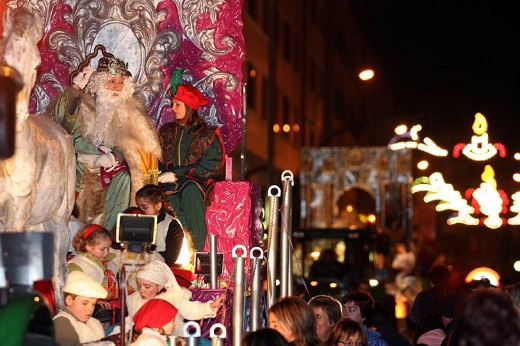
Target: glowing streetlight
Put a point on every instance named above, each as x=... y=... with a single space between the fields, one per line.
x=366 y=75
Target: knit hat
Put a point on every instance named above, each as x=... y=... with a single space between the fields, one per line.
x=190 y=96
x=155 y=313
x=157 y=272
x=81 y=284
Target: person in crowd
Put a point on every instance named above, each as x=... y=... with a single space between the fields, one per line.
x=156 y=280
x=489 y=318
x=515 y=296
x=429 y=331
x=327 y=311
x=439 y=276
x=171 y=241
x=404 y=264
x=264 y=337
x=92 y=244
x=379 y=322
x=358 y=306
x=450 y=307
x=328 y=267
x=116 y=142
x=74 y=324
x=294 y=319
x=193 y=158
x=154 y=321
x=347 y=333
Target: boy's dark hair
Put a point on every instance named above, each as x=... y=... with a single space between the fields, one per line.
x=363 y=300
x=439 y=274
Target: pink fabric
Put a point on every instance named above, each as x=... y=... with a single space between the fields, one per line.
x=432 y=338
x=234 y=217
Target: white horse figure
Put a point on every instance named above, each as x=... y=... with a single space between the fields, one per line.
x=37 y=182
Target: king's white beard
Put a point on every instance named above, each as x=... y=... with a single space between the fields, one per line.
x=107 y=121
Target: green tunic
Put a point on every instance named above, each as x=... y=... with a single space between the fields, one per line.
x=196 y=155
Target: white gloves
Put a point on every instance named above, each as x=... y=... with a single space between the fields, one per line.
x=87 y=159
x=167 y=177
x=82 y=78
x=106 y=161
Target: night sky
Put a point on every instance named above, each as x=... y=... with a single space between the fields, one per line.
x=445 y=61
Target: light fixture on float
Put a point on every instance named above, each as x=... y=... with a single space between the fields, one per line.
x=480 y=273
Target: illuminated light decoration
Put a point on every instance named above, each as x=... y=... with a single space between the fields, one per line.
x=490 y=201
x=333 y=285
x=423 y=165
x=479 y=149
x=373 y=282
x=515 y=208
x=483 y=273
x=448 y=197
x=408 y=140
x=314 y=283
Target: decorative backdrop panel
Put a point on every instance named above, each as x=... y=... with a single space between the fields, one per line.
x=205 y=37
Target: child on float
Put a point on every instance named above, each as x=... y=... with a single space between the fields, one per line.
x=74 y=325
x=156 y=280
x=92 y=244
x=154 y=321
x=171 y=240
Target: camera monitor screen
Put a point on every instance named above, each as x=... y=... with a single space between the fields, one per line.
x=136 y=228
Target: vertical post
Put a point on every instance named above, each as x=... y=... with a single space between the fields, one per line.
x=213 y=256
x=285 y=263
x=274 y=194
x=238 y=295
x=256 y=255
x=244 y=134
x=217 y=334
x=122 y=298
x=191 y=332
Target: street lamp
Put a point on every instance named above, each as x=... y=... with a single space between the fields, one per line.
x=366 y=75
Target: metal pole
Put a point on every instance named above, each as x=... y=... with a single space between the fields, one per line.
x=191 y=332
x=217 y=334
x=256 y=255
x=122 y=298
x=286 y=275
x=244 y=133
x=238 y=295
x=272 y=243
x=213 y=255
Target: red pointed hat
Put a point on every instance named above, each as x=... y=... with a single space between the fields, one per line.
x=190 y=96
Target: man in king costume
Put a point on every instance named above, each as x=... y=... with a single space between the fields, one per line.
x=115 y=141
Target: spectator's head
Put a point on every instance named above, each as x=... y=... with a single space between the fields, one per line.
x=264 y=337
x=294 y=319
x=347 y=332
x=81 y=293
x=327 y=312
x=357 y=305
x=489 y=318
x=439 y=274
